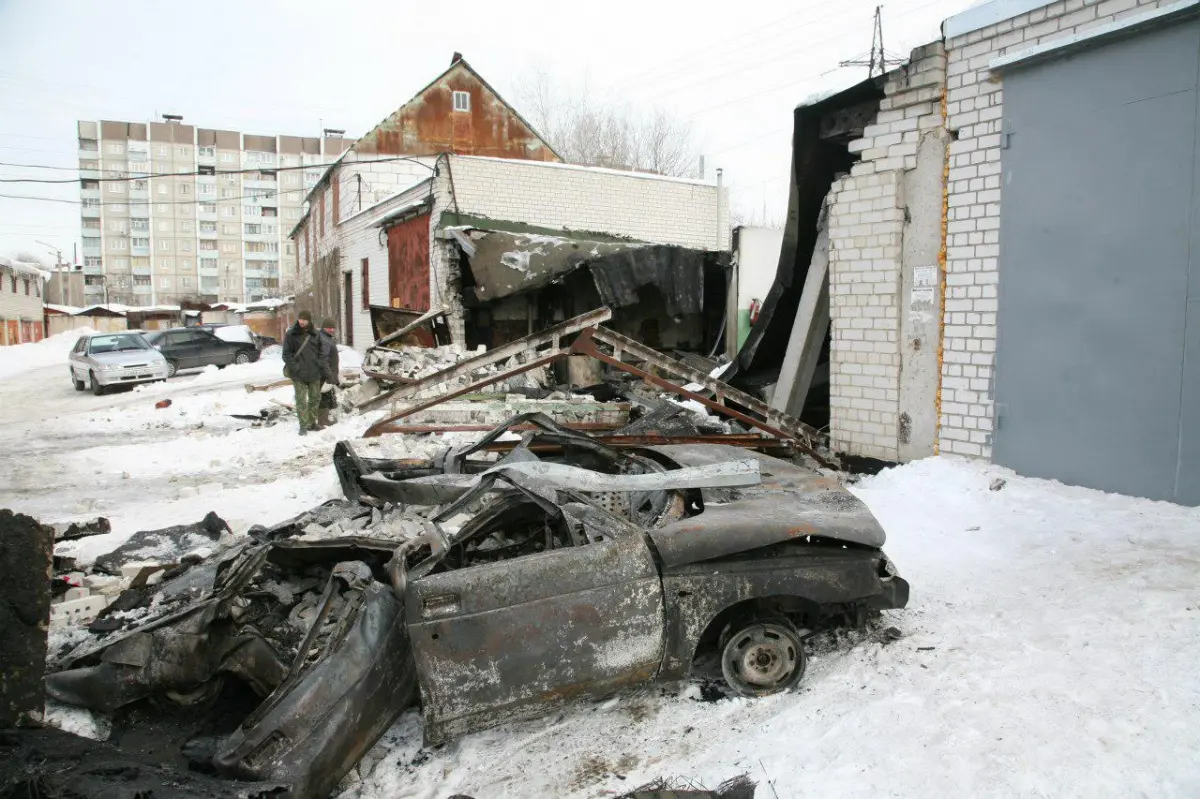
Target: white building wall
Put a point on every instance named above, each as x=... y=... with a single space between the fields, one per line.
x=19 y=305
x=360 y=238
x=689 y=213
x=869 y=217
x=974 y=108
x=365 y=180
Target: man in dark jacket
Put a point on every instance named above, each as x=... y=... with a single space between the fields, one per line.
x=328 y=397
x=306 y=363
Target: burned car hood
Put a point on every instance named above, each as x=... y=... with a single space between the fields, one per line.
x=792 y=502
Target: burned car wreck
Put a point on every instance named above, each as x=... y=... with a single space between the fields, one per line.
x=490 y=587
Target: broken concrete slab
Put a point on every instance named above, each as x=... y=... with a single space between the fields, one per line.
x=70 y=531
x=808 y=330
x=168 y=545
x=26 y=553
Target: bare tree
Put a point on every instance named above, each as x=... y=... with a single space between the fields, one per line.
x=585 y=128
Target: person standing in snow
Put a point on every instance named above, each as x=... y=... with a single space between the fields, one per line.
x=304 y=361
x=328 y=398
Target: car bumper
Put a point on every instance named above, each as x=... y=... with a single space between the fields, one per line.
x=893 y=596
x=132 y=376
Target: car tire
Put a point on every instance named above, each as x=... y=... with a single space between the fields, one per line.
x=75 y=381
x=97 y=389
x=241 y=358
x=763 y=657
x=172 y=368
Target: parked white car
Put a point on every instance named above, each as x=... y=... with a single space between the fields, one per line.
x=105 y=360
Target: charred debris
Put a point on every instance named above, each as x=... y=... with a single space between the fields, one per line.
x=542 y=560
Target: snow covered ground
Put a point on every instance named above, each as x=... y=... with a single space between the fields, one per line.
x=70 y=455
x=1051 y=646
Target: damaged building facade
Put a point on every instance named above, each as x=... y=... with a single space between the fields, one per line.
x=1003 y=227
x=506 y=238
x=458 y=112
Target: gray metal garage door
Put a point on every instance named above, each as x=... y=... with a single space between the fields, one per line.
x=1098 y=358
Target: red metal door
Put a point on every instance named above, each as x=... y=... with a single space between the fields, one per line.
x=14 y=332
x=408 y=264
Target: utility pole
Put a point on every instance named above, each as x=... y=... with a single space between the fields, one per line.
x=58 y=270
x=878 y=58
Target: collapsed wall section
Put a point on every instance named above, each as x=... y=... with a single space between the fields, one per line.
x=885 y=231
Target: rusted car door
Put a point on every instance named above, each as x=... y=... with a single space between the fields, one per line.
x=508 y=640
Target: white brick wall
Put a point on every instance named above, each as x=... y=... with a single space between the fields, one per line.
x=650 y=207
x=974 y=112
x=866 y=237
x=866 y=221
x=379 y=180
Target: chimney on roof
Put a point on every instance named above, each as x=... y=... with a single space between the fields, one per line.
x=457 y=57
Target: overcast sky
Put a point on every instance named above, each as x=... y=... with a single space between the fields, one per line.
x=736 y=70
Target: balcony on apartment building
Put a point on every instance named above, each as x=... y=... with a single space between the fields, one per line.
x=89 y=150
x=91 y=246
x=87 y=173
x=93 y=269
x=90 y=211
x=209 y=270
x=141 y=195
x=139 y=249
x=139 y=211
x=206 y=155
x=143 y=290
x=208 y=214
x=207 y=233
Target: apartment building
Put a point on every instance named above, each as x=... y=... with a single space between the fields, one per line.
x=174 y=213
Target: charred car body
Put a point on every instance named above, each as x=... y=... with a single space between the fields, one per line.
x=494 y=590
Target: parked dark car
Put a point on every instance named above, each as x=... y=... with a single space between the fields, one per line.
x=193 y=347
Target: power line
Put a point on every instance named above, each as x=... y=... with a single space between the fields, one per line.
x=195 y=173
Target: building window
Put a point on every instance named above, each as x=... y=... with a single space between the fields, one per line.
x=253 y=230
x=139 y=242
x=229 y=210
x=26 y=282
x=185 y=188
x=164 y=245
x=141 y=280
x=181 y=151
x=462 y=101
x=185 y=245
x=227 y=158
x=162 y=208
x=163 y=188
x=208 y=208
x=186 y=282
x=185 y=264
x=37 y=288
x=164 y=282
x=114 y=188
x=164 y=226
x=116 y=148
x=92 y=260
x=228 y=246
x=119 y=244
x=365 y=277
x=208 y=152
x=12 y=280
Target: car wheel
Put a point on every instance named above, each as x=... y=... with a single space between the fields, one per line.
x=242 y=357
x=75 y=381
x=172 y=368
x=97 y=389
x=763 y=658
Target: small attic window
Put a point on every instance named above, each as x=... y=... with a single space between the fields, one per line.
x=462 y=101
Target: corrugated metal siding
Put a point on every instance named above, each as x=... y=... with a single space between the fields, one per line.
x=408 y=264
